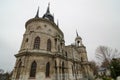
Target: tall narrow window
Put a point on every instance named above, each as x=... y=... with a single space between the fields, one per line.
x=48 y=45
x=72 y=70
x=63 y=72
x=58 y=48
x=37 y=43
x=55 y=64
x=81 y=59
x=55 y=42
x=48 y=69
x=66 y=54
x=61 y=45
x=33 y=69
x=56 y=69
x=18 y=70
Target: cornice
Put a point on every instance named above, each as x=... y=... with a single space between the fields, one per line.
x=45 y=20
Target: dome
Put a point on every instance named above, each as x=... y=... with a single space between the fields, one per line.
x=78 y=37
x=48 y=15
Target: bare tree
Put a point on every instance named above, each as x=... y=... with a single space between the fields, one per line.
x=105 y=54
x=94 y=67
x=5 y=75
x=1 y=71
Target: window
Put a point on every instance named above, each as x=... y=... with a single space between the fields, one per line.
x=45 y=25
x=38 y=27
x=72 y=70
x=48 y=69
x=33 y=69
x=58 y=48
x=61 y=45
x=55 y=64
x=37 y=43
x=63 y=77
x=81 y=59
x=55 y=69
x=26 y=40
x=55 y=41
x=18 y=69
x=48 y=45
x=77 y=68
x=66 y=54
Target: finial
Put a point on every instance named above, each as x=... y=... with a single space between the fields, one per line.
x=53 y=14
x=48 y=10
x=49 y=4
x=57 y=23
x=77 y=33
x=37 y=14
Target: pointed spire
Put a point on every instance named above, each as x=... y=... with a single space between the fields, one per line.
x=48 y=9
x=57 y=23
x=37 y=14
x=78 y=37
x=53 y=14
x=77 y=33
x=47 y=15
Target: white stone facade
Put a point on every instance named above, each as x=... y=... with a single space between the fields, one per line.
x=65 y=62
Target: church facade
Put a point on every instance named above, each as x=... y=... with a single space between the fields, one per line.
x=44 y=56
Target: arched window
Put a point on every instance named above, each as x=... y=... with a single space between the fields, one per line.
x=56 y=69
x=55 y=64
x=63 y=71
x=48 y=69
x=55 y=42
x=26 y=40
x=37 y=43
x=48 y=45
x=81 y=59
x=58 y=48
x=66 y=54
x=72 y=70
x=33 y=69
x=18 y=69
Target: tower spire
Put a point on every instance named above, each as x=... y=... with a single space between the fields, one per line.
x=48 y=9
x=78 y=40
x=77 y=33
x=47 y=15
x=37 y=14
x=57 y=23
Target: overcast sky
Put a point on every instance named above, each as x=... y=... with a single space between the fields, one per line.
x=97 y=22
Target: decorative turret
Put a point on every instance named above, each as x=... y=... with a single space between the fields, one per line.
x=78 y=40
x=48 y=15
x=57 y=23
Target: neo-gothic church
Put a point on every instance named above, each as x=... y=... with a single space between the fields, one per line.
x=44 y=56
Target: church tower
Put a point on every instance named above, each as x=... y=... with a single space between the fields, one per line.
x=78 y=40
x=43 y=54
x=41 y=40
